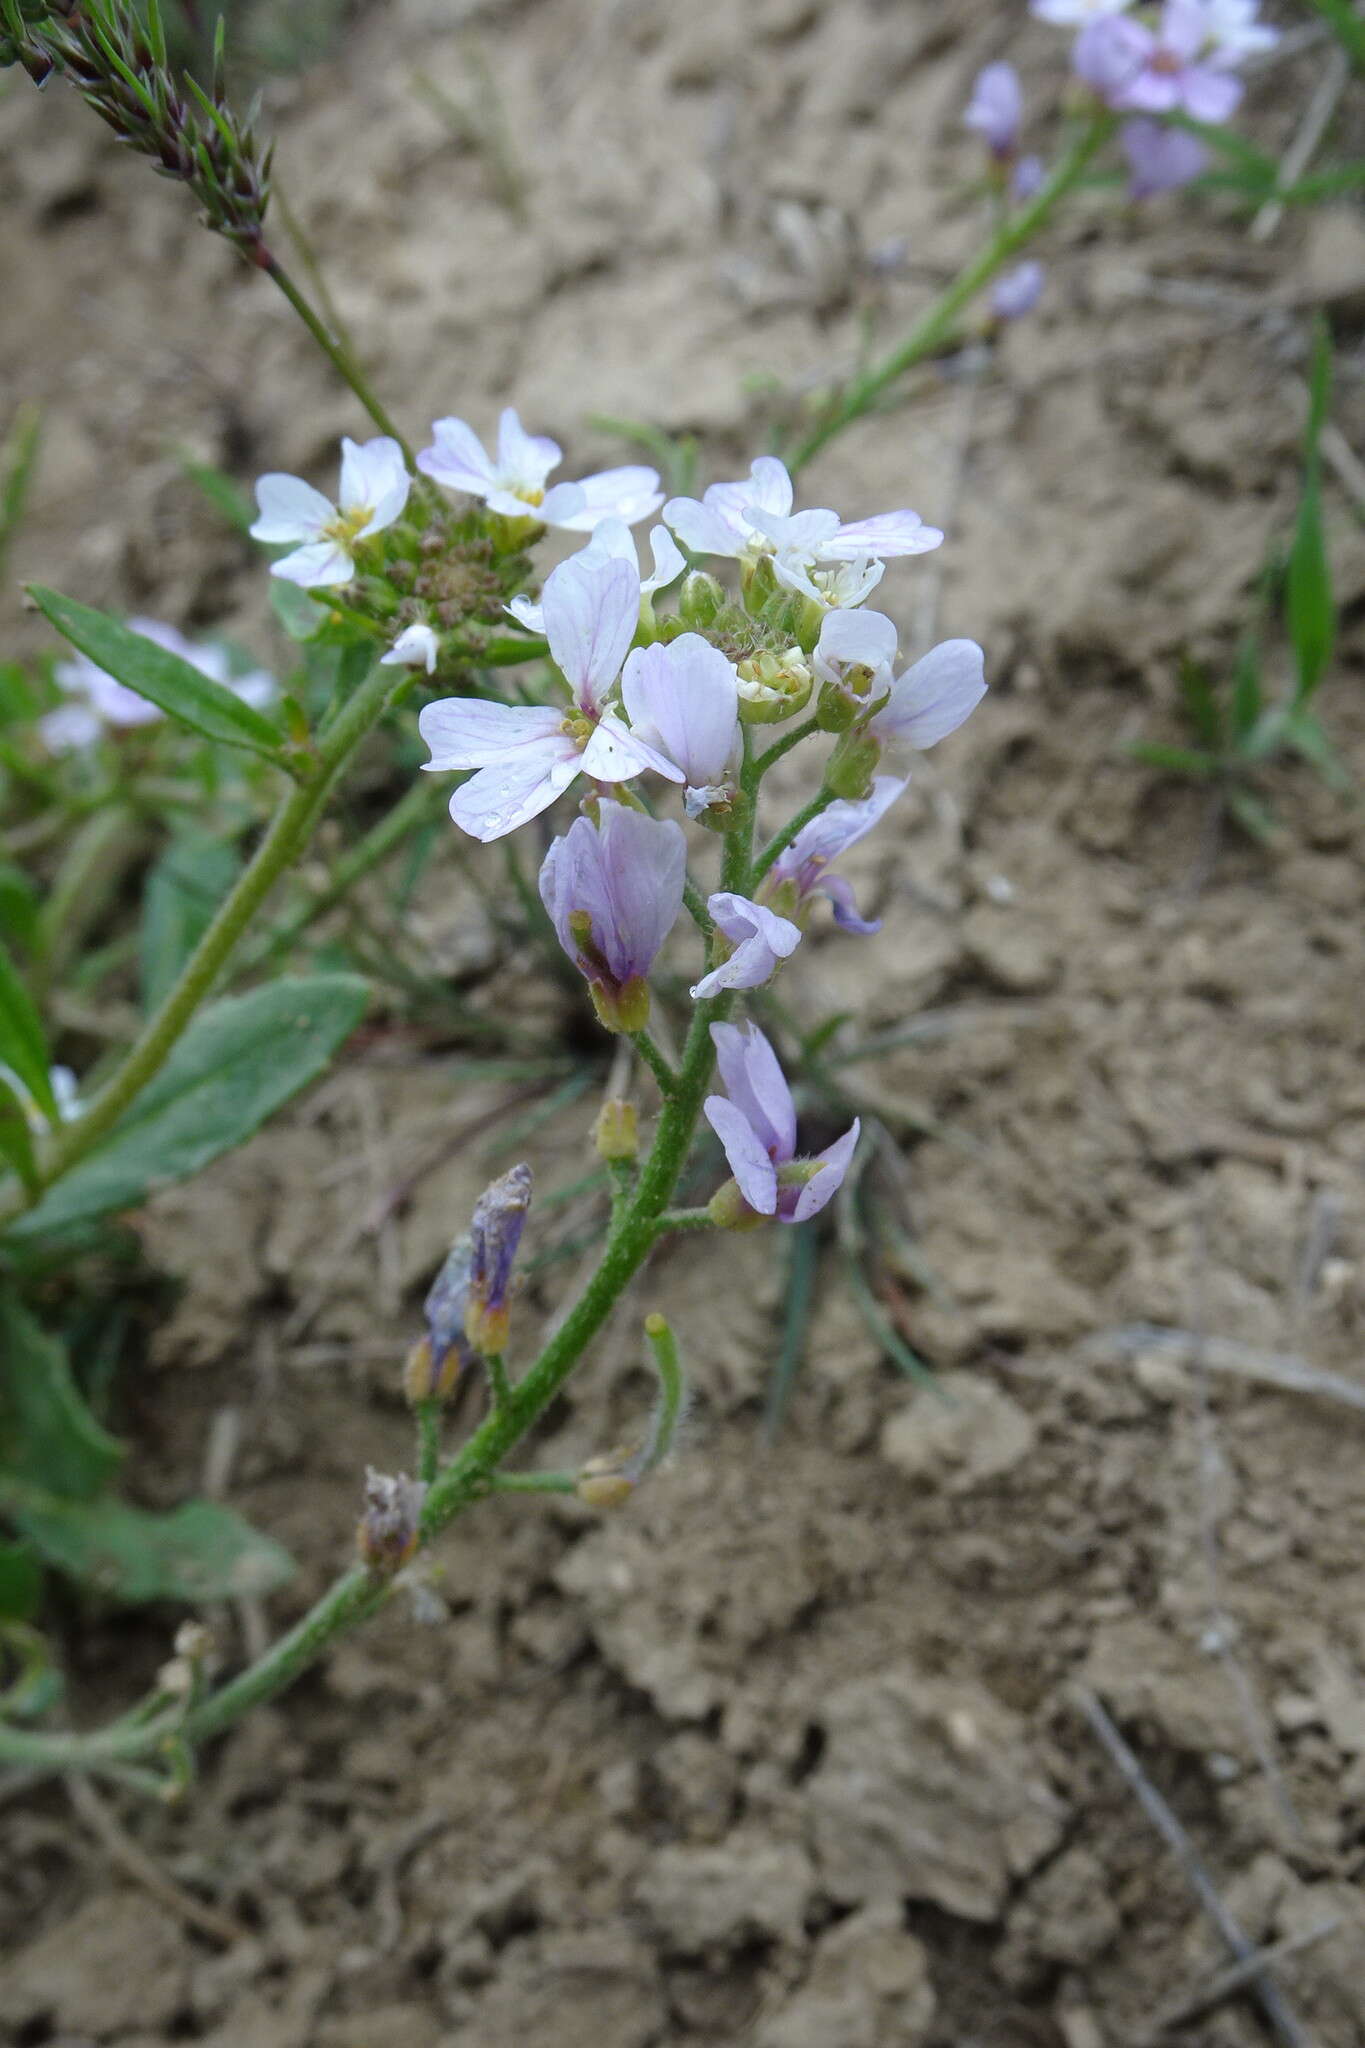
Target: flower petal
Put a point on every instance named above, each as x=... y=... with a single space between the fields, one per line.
x=615 y=754
x=763 y=939
x=497 y=800
x=457 y=458
x=756 y=1085
x=844 y=904
x=321 y=564
x=749 y=1163
x=374 y=476
x=841 y=825
x=467 y=732
x=683 y=696
x=704 y=529
x=289 y=509
x=823 y=1186
x=864 y=639
x=524 y=459
x=767 y=488
x=630 y=494
x=933 y=697
x=669 y=561
x=591 y=609
x=885 y=536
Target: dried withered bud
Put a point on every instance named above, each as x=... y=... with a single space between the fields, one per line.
x=390 y=1528
x=499 y=1218
x=435 y=1361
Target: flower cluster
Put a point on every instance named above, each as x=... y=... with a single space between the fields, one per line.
x=634 y=698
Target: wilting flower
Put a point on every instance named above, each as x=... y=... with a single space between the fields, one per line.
x=1017 y=291
x=1168 y=69
x=528 y=754
x=755 y=1121
x=613 y=538
x=514 y=482
x=762 y=940
x=374 y=489
x=416 y=647
x=682 y=698
x=1073 y=13
x=437 y=1358
x=495 y=1233
x=996 y=108
x=1160 y=158
x=753 y=517
x=614 y=891
x=390 y=1527
x=856 y=652
x=804 y=866
x=99 y=699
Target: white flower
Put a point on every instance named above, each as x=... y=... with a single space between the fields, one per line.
x=64 y=1092
x=416 y=647
x=1075 y=13
x=514 y=482
x=834 y=561
x=1233 y=31
x=374 y=490
x=99 y=699
x=682 y=697
x=926 y=701
x=612 y=540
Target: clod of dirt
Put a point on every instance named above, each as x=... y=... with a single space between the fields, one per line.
x=1015 y=951
x=1065 y=1916
x=76 y=1978
x=868 y=1988
x=957 y=1434
x=578 y=1990
x=743 y=1890
x=927 y=1790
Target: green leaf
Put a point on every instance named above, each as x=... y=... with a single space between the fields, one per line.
x=182 y=892
x=1310 y=611
x=1246 y=688
x=1308 y=738
x=20 y=460
x=1175 y=760
x=30 y=1683
x=163 y=678
x=16 y=1140
x=21 y=1582
x=295 y=610
x=197 y=1553
x=1201 y=704
x=18 y=904
x=238 y=1062
x=1253 y=816
x=1346 y=25
x=47 y=1434
x=23 y=1048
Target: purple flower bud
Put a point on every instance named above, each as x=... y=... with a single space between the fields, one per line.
x=436 y=1360
x=755 y=1121
x=1017 y=291
x=389 y=1529
x=1027 y=178
x=1160 y=158
x=996 y=108
x=614 y=891
x=495 y=1233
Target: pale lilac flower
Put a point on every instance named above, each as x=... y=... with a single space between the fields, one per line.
x=1233 y=30
x=753 y=517
x=1018 y=290
x=416 y=647
x=1169 y=69
x=762 y=941
x=996 y=108
x=374 y=489
x=1074 y=13
x=927 y=701
x=1027 y=178
x=495 y=1233
x=65 y=1093
x=1160 y=158
x=614 y=891
x=682 y=697
x=613 y=538
x=515 y=481
x=99 y=699
x=755 y=1121
x=804 y=866
x=528 y=754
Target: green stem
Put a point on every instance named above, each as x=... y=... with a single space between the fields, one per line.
x=280 y=849
x=654 y=1060
x=939 y=319
x=780 y=841
x=499 y=1386
x=695 y=903
x=785 y=744
x=428 y=1418
x=684 y=1219
x=337 y=355
x=533 y=1482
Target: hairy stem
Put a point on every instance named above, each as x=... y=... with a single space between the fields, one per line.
x=342 y=361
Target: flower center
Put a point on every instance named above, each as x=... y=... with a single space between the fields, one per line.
x=347 y=527
x=530 y=494
x=578 y=728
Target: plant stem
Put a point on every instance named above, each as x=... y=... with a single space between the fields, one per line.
x=337 y=355
x=684 y=1219
x=428 y=1418
x=938 y=320
x=533 y=1482
x=785 y=744
x=655 y=1061
x=780 y=841
x=284 y=842
x=499 y=1386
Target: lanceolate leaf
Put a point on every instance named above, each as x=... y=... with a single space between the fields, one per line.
x=1309 y=607
x=48 y=1437
x=16 y=1141
x=160 y=676
x=238 y=1062
x=181 y=895
x=22 y=1045
x=198 y=1552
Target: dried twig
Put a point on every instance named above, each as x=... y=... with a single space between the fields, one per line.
x=137 y=1864
x=1258 y=1982
x=1230 y=1981
x=1283 y=1369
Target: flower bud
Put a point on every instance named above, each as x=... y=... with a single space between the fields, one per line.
x=624 y=1009
x=617 y=1131
x=435 y=1360
x=603 y=1483
x=499 y=1218
x=852 y=765
x=699 y=600
x=757 y=582
x=390 y=1528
